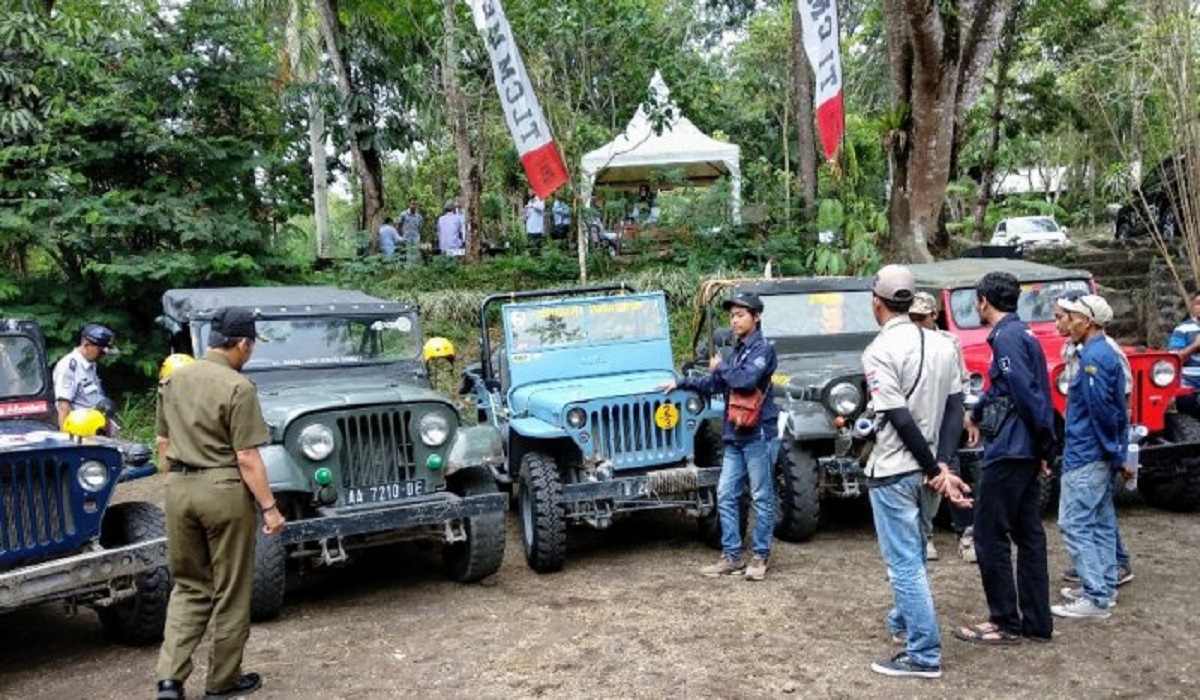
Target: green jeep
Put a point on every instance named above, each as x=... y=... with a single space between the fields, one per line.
x=363 y=451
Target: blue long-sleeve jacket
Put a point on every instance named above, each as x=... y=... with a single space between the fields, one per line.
x=1183 y=336
x=749 y=366
x=1018 y=371
x=1097 y=425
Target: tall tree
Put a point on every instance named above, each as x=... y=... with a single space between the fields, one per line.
x=470 y=180
x=938 y=54
x=806 y=136
x=368 y=162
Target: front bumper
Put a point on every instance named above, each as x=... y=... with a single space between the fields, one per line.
x=60 y=578
x=433 y=509
x=652 y=485
x=1168 y=460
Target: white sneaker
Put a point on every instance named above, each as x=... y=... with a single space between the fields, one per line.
x=1077 y=594
x=931 y=553
x=1082 y=607
x=966 y=546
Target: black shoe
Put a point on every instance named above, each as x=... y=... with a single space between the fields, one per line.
x=902 y=665
x=248 y=683
x=170 y=690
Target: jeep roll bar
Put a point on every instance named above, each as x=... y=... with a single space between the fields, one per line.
x=485 y=350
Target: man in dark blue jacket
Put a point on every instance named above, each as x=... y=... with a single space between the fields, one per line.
x=1097 y=433
x=750 y=451
x=1016 y=417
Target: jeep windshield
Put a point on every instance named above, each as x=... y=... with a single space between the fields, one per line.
x=298 y=342
x=610 y=320
x=20 y=374
x=818 y=313
x=1035 y=305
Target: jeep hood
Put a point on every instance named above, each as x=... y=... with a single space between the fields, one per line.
x=815 y=370
x=547 y=399
x=284 y=398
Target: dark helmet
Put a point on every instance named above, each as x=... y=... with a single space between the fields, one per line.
x=100 y=336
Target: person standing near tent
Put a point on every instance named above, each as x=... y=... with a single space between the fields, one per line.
x=535 y=220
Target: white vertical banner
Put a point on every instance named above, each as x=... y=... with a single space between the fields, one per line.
x=535 y=144
x=820 y=23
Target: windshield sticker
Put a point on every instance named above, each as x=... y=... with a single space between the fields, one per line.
x=825 y=299
x=523 y=356
x=402 y=324
x=619 y=307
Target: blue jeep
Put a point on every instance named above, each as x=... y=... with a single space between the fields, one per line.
x=60 y=538
x=588 y=434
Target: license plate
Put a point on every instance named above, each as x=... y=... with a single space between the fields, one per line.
x=383 y=493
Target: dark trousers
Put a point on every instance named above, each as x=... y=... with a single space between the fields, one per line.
x=1008 y=512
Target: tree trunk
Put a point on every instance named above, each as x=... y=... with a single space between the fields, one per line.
x=938 y=54
x=367 y=161
x=316 y=130
x=806 y=137
x=1004 y=60
x=468 y=167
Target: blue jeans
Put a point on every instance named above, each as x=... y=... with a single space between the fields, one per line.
x=1087 y=519
x=753 y=460
x=899 y=525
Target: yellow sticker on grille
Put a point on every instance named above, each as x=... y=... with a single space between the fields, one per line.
x=666 y=416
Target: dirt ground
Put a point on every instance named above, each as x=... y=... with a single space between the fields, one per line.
x=630 y=618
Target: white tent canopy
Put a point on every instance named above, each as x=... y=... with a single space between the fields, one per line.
x=638 y=152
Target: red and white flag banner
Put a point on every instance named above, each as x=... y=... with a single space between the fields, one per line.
x=820 y=23
x=540 y=156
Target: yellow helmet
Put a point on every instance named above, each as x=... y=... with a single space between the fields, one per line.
x=174 y=362
x=84 y=422
x=438 y=347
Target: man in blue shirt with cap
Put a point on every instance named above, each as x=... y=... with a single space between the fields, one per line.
x=76 y=383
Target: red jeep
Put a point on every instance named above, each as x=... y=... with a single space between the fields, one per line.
x=1166 y=479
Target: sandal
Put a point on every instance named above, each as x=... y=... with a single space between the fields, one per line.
x=988 y=634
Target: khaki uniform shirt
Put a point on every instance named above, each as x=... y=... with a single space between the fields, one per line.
x=891 y=364
x=209 y=411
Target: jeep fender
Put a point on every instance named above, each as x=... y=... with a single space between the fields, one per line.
x=808 y=420
x=284 y=472
x=475 y=446
x=536 y=429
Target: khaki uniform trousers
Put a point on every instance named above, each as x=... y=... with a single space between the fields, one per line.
x=210 y=534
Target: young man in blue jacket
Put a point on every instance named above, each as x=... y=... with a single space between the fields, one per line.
x=1016 y=417
x=750 y=451
x=1097 y=433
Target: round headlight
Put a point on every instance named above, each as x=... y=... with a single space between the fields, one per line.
x=694 y=404
x=845 y=398
x=434 y=429
x=1162 y=373
x=1062 y=381
x=576 y=418
x=975 y=383
x=316 y=441
x=92 y=475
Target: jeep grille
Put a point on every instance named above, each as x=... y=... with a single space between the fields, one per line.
x=377 y=447
x=35 y=508
x=626 y=434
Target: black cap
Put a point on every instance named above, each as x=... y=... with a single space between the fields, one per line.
x=232 y=323
x=100 y=336
x=746 y=300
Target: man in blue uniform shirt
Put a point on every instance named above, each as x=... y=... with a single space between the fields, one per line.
x=750 y=451
x=1097 y=429
x=1016 y=417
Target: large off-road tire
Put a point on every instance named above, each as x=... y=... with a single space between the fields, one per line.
x=137 y=620
x=1180 y=492
x=543 y=518
x=797 y=494
x=481 y=555
x=270 y=575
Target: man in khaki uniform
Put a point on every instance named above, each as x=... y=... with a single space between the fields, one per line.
x=916 y=392
x=209 y=428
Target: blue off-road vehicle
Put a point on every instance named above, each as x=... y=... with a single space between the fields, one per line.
x=61 y=537
x=588 y=434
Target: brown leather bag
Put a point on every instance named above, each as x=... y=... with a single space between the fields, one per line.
x=744 y=408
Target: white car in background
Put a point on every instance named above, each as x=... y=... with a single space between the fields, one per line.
x=1028 y=231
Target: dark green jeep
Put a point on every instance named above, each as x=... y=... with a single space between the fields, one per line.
x=363 y=451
